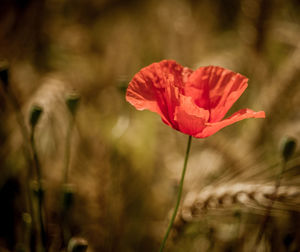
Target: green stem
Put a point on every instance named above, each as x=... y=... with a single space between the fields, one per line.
x=65 y=193
x=179 y=194
x=269 y=209
x=68 y=149
x=26 y=148
x=40 y=196
x=27 y=154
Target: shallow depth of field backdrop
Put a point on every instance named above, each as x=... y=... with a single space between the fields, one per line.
x=125 y=164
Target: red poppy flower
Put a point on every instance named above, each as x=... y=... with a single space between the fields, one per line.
x=193 y=102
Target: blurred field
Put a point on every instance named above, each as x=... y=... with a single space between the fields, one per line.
x=125 y=164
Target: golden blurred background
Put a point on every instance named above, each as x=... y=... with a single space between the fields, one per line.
x=125 y=164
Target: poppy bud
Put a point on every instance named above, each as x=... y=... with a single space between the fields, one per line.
x=288 y=146
x=122 y=84
x=35 y=114
x=68 y=196
x=72 y=102
x=4 y=73
x=77 y=244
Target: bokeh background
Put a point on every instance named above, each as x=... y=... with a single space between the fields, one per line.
x=125 y=164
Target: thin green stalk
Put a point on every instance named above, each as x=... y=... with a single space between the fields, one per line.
x=72 y=104
x=26 y=149
x=27 y=154
x=68 y=149
x=27 y=223
x=178 y=195
x=40 y=196
x=67 y=194
x=269 y=209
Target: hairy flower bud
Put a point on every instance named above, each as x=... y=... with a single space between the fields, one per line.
x=72 y=102
x=68 y=196
x=288 y=146
x=35 y=114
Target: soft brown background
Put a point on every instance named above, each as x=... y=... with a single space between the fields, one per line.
x=126 y=164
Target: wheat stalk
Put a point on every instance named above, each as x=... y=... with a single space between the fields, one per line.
x=227 y=196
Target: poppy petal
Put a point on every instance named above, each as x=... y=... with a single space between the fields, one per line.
x=156 y=88
x=191 y=102
x=215 y=89
x=212 y=128
x=190 y=118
